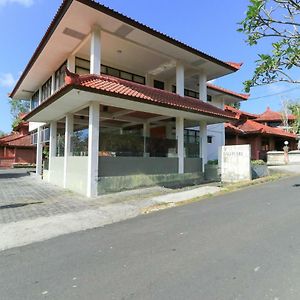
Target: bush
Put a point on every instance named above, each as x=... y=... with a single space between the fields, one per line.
x=213 y=162
x=259 y=162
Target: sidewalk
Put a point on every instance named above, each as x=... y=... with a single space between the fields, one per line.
x=32 y=210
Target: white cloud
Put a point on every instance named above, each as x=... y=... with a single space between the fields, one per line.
x=7 y=80
x=25 y=3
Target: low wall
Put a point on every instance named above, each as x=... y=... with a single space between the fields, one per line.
x=121 y=183
x=294 y=157
x=192 y=165
x=124 y=166
x=212 y=173
x=77 y=174
x=56 y=174
x=276 y=158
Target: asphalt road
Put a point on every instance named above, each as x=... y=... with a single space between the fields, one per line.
x=244 y=245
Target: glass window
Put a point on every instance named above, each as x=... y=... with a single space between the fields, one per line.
x=35 y=100
x=209 y=139
x=82 y=66
x=103 y=69
x=139 y=79
x=159 y=84
x=126 y=75
x=46 y=89
x=113 y=72
x=60 y=76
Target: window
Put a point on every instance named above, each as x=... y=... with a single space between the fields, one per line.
x=34 y=138
x=82 y=66
x=159 y=84
x=191 y=93
x=191 y=136
x=46 y=89
x=209 y=139
x=35 y=100
x=59 y=76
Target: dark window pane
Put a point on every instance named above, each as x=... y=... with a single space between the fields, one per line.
x=159 y=84
x=113 y=72
x=139 y=79
x=127 y=76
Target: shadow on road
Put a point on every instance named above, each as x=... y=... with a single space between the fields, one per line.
x=296 y=185
x=16 y=205
x=14 y=173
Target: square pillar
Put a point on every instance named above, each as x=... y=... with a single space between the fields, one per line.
x=93 y=150
x=202 y=81
x=180 y=79
x=71 y=63
x=52 y=145
x=180 y=143
x=95 y=51
x=203 y=143
x=69 y=128
x=39 y=152
x=149 y=79
x=52 y=84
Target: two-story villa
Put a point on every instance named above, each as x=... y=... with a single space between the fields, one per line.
x=123 y=104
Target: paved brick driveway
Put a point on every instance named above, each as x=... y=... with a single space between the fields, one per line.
x=25 y=197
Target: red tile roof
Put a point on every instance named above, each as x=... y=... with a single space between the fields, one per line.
x=234 y=64
x=229 y=92
x=270 y=115
x=137 y=92
x=16 y=139
x=253 y=127
x=239 y=113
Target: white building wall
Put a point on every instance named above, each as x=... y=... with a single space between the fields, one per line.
x=217 y=132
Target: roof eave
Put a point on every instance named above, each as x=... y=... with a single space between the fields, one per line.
x=64 y=8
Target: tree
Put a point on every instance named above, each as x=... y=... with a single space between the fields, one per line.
x=278 y=21
x=2 y=133
x=294 y=107
x=236 y=105
x=16 y=108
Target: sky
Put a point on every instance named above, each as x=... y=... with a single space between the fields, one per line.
x=210 y=26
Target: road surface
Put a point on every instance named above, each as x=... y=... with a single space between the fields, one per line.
x=243 y=245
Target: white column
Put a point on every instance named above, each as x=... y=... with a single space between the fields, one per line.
x=39 y=152
x=180 y=79
x=52 y=84
x=93 y=149
x=203 y=143
x=180 y=143
x=40 y=95
x=202 y=87
x=52 y=145
x=71 y=63
x=95 y=54
x=69 y=128
x=149 y=79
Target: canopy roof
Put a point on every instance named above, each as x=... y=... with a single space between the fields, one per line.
x=128 y=90
x=71 y=27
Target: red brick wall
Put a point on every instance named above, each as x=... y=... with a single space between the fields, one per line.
x=25 y=155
